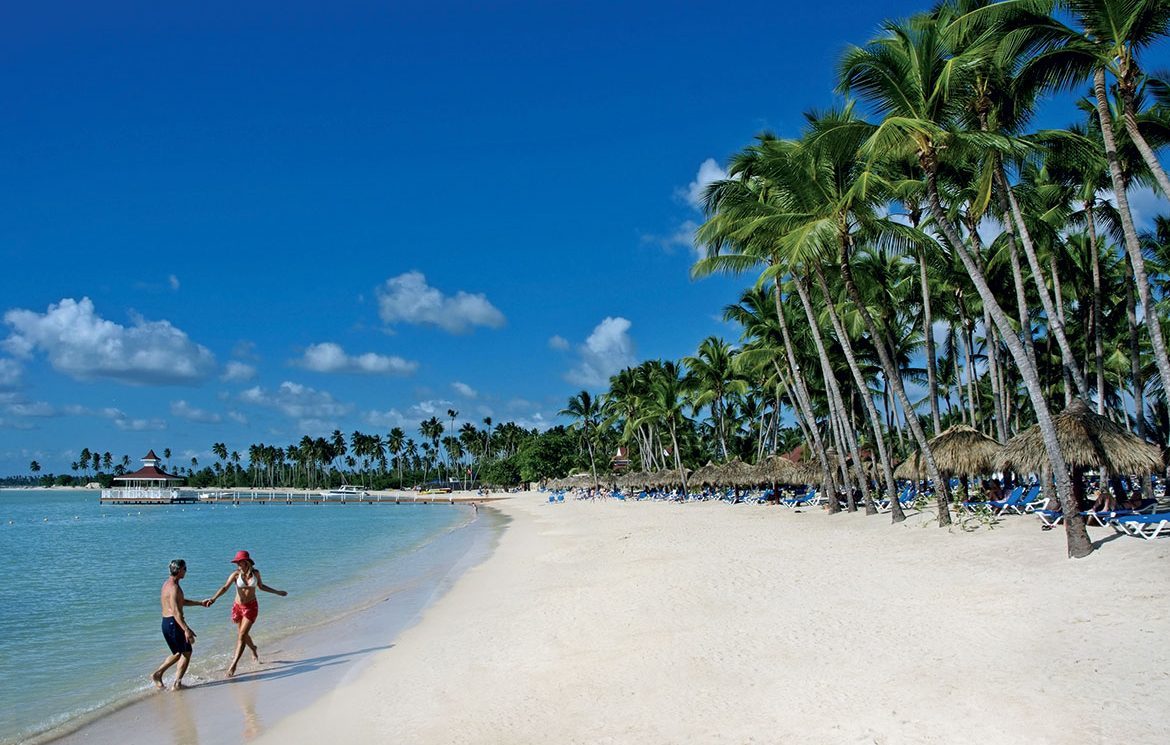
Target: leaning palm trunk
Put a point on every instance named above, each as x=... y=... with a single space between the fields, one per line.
x=871 y=411
x=1077 y=536
x=829 y=485
x=1055 y=320
x=1129 y=116
x=895 y=382
x=848 y=438
x=1153 y=325
x=1135 y=358
x=931 y=357
x=1098 y=337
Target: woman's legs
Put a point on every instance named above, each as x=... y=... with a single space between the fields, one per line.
x=242 y=640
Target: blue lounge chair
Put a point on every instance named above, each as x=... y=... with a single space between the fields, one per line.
x=1144 y=526
x=1014 y=498
x=808 y=499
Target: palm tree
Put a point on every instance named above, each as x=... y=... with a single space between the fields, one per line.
x=584 y=410
x=395 y=441
x=911 y=79
x=451 y=413
x=712 y=379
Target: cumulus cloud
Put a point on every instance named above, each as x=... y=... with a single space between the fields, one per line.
x=682 y=237
x=10 y=373
x=386 y=419
x=185 y=410
x=408 y=298
x=331 y=358
x=558 y=342
x=237 y=372
x=463 y=389
x=608 y=349
x=297 y=401
x=139 y=425
x=31 y=409
x=237 y=417
x=85 y=346
x=709 y=171
x=434 y=407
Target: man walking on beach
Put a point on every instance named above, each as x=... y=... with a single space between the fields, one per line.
x=178 y=635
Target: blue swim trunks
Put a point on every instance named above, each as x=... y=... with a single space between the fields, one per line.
x=174 y=635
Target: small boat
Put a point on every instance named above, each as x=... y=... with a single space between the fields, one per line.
x=346 y=491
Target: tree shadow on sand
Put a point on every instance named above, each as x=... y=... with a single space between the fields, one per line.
x=278 y=669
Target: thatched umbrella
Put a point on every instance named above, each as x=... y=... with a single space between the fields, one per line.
x=733 y=473
x=1087 y=440
x=777 y=470
x=704 y=475
x=964 y=450
x=911 y=469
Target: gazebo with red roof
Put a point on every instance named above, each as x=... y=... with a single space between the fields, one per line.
x=150 y=476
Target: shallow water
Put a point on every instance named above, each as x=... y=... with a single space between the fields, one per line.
x=79 y=587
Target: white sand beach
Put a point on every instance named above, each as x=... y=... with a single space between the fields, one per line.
x=609 y=622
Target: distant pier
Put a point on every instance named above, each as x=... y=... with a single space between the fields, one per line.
x=240 y=497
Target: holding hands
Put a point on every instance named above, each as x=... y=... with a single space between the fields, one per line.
x=207 y=602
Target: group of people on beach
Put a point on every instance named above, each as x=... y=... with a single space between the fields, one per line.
x=179 y=636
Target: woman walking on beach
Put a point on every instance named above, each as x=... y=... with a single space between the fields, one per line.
x=247 y=580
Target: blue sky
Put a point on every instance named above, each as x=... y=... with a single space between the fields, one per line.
x=246 y=222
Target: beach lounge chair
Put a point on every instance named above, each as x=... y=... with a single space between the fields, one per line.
x=1014 y=500
x=1050 y=518
x=1104 y=517
x=1144 y=526
x=808 y=499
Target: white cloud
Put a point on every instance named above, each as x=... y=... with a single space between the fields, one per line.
x=331 y=358
x=139 y=425
x=297 y=401
x=408 y=298
x=682 y=237
x=434 y=407
x=558 y=342
x=1145 y=203
x=185 y=410
x=10 y=372
x=237 y=372
x=709 y=171
x=386 y=419
x=607 y=350
x=237 y=417
x=31 y=409
x=463 y=389
x=83 y=345
x=173 y=281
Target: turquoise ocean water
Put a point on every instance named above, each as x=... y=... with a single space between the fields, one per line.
x=79 y=587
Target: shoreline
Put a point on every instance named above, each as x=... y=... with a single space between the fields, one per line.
x=296 y=669
x=664 y=623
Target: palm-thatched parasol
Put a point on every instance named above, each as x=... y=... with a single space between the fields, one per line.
x=734 y=473
x=1087 y=440
x=778 y=470
x=704 y=475
x=964 y=450
x=911 y=469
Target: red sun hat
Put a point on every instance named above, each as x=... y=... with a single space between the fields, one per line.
x=241 y=555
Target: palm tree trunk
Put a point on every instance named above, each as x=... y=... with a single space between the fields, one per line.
x=849 y=439
x=1132 y=247
x=895 y=380
x=805 y=404
x=1129 y=116
x=928 y=337
x=1055 y=318
x=1098 y=336
x=1076 y=535
x=996 y=380
x=871 y=411
x=1135 y=355
x=1025 y=315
